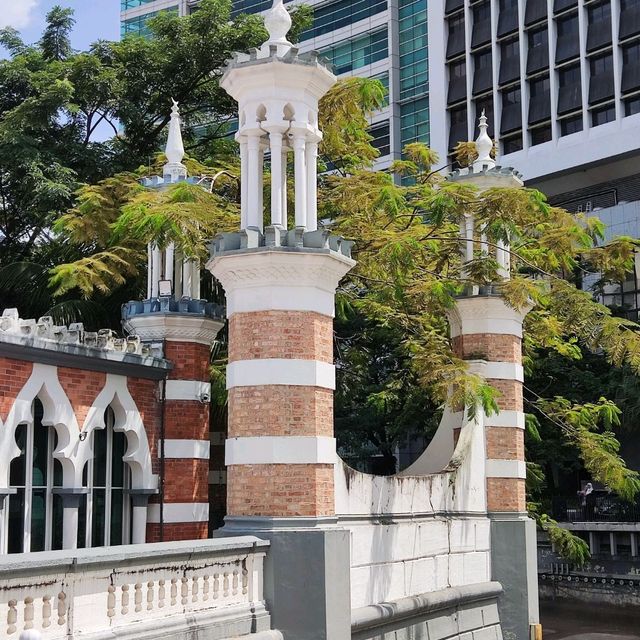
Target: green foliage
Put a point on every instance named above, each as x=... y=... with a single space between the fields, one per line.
x=567 y=544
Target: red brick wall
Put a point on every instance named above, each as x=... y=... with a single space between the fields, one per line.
x=82 y=388
x=280 y=490
x=190 y=360
x=13 y=376
x=177 y=531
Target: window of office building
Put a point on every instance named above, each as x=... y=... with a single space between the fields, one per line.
x=568 y=45
x=631 y=53
x=572 y=124
x=599 y=12
x=602 y=115
x=381 y=138
x=512 y=144
x=601 y=65
x=358 y=52
x=511 y=110
x=455 y=41
x=412 y=28
x=414 y=121
x=540 y=135
x=331 y=16
x=485 y=105
x=252 y=6
x=132 y=4
x=632 y=106
x=105 y=517
x=138 y=26
x=35 y=511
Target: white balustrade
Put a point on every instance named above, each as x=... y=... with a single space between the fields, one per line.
x=55 y=595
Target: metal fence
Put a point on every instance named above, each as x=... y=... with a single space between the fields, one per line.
x=596 y=508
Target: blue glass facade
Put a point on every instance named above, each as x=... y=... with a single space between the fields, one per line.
x=359 y=52
x=138 y=25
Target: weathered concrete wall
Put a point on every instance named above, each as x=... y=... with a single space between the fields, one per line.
x=601 y=590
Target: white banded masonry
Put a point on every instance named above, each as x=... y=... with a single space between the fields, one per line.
x=187 y=390
x=506 y=469
x=192 y=449
x=497 y=370
x=513 y=419
x=178 y=512
x=280 y=371
x=281 y=450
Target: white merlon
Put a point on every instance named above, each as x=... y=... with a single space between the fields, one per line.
x=506 y=469
x=513 y=419
x=497 y=370
x=188 y=390
x=178 y=512
x=281 y=450
x=188 y=449
x=280 y=371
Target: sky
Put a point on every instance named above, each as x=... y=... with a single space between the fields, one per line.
x=95 y=19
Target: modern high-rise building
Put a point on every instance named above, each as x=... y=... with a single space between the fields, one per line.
x=384 y=39
x=559 y=81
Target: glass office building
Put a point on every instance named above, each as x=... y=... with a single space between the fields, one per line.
x=385 y=39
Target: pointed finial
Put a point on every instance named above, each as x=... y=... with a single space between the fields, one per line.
x=174 y=169
x=278 y=22
x=484 y=146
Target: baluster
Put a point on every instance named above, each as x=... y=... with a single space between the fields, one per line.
x=46 y=611
x=205 y=588
x=111 y=601
x=225 y=584
x=150 y=595
x=161 y=593
x=137 y=597
x=28 y=613
x=12 y=617
x=245 y=582
x=194 y=589
x=234 y=590
x=174 y=591
x=62 y=607
x=184 y=591
x=216 y=586
x=125 y=599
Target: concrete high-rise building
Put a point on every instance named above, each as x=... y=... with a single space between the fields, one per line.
x=383 y=39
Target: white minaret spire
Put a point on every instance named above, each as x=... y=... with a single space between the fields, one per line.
x=174 y=170
x=278 y=22
x=484 y=146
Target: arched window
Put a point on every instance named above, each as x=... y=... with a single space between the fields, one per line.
x=35 y=511
x=105 y=516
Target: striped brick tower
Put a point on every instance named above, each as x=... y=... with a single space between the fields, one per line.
x=183 y=326
x=280 y=285
x=487 y=333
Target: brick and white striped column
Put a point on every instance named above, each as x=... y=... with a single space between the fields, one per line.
x=182 y=511
x=281 y=451
x=488 y=333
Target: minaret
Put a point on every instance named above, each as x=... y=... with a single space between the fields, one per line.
x=183 y=327
x=280 y=285
x=487 y=332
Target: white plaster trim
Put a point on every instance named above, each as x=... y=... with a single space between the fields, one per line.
x=280 y=280
x=187 y=390
x=485 y=314
x=497 y=370
x=278 y=371
x=281 y=450
x=175 y=327
x=192 y=449
x=175 y=512
x=506 y=469
x=513 y=419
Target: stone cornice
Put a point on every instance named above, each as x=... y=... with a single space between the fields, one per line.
x=155 y=327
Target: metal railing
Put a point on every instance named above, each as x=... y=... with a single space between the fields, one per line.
x=596 y=508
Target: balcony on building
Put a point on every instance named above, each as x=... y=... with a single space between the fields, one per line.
x=568 y=45
x=457 y=82
x=601 y=84
x=535 y=12
x=538 y=55
x=599 y=34
x=483 y=72
x=629 y=18
x=509 y=62
x=481 y=24
x=564 y=5
x=455 y=40
x=508 y=17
